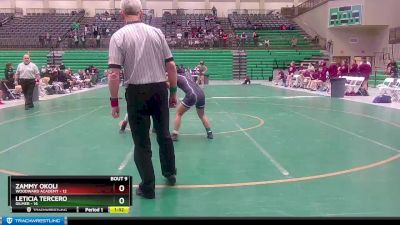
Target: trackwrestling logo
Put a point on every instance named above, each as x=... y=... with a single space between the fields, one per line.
x=32 y=220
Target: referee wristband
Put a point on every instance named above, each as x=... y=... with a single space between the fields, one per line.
x=114 y=102
x=173 y=89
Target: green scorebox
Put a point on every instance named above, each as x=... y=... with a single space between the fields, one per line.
x=345 y=16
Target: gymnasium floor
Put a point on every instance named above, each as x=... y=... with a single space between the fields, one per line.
x=276 y=153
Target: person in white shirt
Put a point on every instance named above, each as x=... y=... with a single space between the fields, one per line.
x=27 y=75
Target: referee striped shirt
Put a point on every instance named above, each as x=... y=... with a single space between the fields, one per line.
x=27 y=71
x=142 y=51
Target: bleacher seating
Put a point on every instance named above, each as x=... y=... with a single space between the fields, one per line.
x=219 y=62
x=170 y=23
x=278 y=38
x=24 y=31
x=15 y=57
x=261 y=21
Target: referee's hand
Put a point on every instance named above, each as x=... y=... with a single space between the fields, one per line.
x=115 y=112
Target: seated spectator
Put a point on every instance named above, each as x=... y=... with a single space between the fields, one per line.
x=291 y=70
x=1 y=97
x=281 y=78
x=392 y=69
x=294 y=42
x=267 y=43
x=255 y=39
x=246 y=80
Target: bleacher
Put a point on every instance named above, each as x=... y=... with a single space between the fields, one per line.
x=261 y=63
x=15 y=57
x=219 y=62
x=24 y=31
x=278 y=38
x=261 y=21
x=81 y=59
x=170 y=22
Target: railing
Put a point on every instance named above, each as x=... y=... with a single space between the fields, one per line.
x=116 y=11
x=70 y=11
x=202 y=11
x=308 y=5
x=321 y=41
x=250 y=11
x=35 y=11
x=7 y=10
x=175 y=11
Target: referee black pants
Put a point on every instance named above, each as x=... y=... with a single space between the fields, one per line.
x=28 y=85
x=143 y=101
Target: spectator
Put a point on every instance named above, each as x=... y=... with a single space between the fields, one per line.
x=294 y=42
x=7 y=80
x=267 y=43
x=58 y=41
x=214 y=10
x=41 y=41
x=392 y=69
x=76 y=40
x=334 y=70
x=354 y=69
x=365 y=70
x=1 y=97
x=98 y=39
x=246 y=80
x=83 y=40
x=48 y=39
x=206 y=19
x=255 y=39
x=344 y=68
x=243 y=38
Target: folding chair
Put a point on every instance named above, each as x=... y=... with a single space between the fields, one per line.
x=386 y=84
x=11 y=92
x=357 y=84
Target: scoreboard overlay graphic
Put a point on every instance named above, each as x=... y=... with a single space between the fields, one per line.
x=69 y=194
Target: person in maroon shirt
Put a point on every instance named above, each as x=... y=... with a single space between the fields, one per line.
x=334 y=70
x=365 y=70
x=344 y=69
x=281 y=77
x=291 y=70
x=320 y=77
x=314 y=75
x=305 y=78
x=354 y=69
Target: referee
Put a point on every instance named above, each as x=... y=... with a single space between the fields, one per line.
x=27 y=75
x=144 y=54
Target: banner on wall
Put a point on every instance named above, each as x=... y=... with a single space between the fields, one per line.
x=345 y=16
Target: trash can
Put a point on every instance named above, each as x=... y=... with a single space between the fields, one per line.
x=206 y=79
x=338 y=87
x=36 y=93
